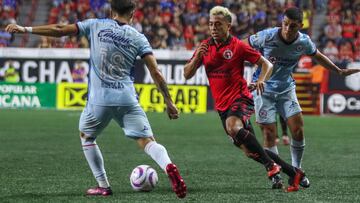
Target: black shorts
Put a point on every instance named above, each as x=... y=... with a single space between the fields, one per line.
x=242 y=108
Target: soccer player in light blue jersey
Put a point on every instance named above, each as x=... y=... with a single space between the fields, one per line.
x=111 y=93
x=284 y=46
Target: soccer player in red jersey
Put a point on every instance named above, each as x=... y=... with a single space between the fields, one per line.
x=223 y=57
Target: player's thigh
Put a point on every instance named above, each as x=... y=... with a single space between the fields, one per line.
x=134 y=122
x=94 y=119
x=265 y=110
x=288 y=104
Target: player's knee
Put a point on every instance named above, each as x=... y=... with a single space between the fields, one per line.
x=242 y=135
x=232 y=131
x=298 y=133
x=86 y=138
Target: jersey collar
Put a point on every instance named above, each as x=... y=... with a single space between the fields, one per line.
x=283 y=40
x=119 y=23
x=227 y=42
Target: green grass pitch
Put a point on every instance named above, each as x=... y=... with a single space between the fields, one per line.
x=41 y=160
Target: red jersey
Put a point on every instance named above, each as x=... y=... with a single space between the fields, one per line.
x=224 y=65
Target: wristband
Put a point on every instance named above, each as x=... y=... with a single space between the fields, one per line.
x=28 y=29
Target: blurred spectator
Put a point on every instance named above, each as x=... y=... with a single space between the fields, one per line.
x=78 y=73
x=170 y=24
x=333 y=31
x=45 y=42
x=331 y=51
x=346 y=53
x=348 y=29
x=11 y=74
x=306 y=20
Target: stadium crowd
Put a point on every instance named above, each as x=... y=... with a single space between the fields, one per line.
x=171 y=24
x=340 y=39
x=8 y=13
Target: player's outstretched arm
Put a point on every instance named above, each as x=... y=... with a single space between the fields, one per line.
x=266 y=70
x=160 y=82
x=191 y=67
x=54 y=30
x=328 y=64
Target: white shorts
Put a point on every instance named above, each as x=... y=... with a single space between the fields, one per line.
x=268 y=104
x=132 y=119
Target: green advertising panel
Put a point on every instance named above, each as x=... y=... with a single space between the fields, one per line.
x=26 y=95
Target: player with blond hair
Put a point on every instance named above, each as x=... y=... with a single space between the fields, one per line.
x=223 y=57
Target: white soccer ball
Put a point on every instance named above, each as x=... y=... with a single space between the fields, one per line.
x=143 y=178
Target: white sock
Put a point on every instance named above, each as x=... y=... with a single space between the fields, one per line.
x=273 y=149
x=96 y=162
x=297 y=151
x=158 y=153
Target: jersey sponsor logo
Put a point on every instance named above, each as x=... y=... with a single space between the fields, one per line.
x=228 y=54
x=112 y=85
x=109 y=36
x=71 y=95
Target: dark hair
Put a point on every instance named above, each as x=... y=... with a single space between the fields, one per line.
x=123 y=7
x=294 y=13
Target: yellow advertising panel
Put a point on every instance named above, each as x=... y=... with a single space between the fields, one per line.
x=71 y=96
x=188 y=99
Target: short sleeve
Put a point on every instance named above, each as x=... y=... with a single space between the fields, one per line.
x=310 y=47
x=144 y=46
x=257 y=40
x=250 y=54
x=85 y=26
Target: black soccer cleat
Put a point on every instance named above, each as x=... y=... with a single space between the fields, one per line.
x=305 y=183
x=277 y=182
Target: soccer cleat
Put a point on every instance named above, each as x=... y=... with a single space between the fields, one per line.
x=178 y=184
x=276 y=181
x=294 y=182
x=273 y=170
x=285 y=140
x=305 y=183
x=99 y=191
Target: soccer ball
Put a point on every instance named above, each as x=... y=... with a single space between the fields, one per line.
x=143 y=178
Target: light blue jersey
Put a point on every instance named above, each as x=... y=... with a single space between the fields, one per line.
x=113 y=51
x=284 y=56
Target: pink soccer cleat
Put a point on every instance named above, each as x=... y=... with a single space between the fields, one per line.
x=99 y=191
x=176 y=180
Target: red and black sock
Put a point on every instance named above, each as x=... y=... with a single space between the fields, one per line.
x=256 y=151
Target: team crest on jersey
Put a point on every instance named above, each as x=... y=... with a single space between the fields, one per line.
x=263 y=114
x=299 y=48
x=272 y=59
x=227 y=54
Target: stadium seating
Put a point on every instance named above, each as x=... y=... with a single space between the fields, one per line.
x=170 y=24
